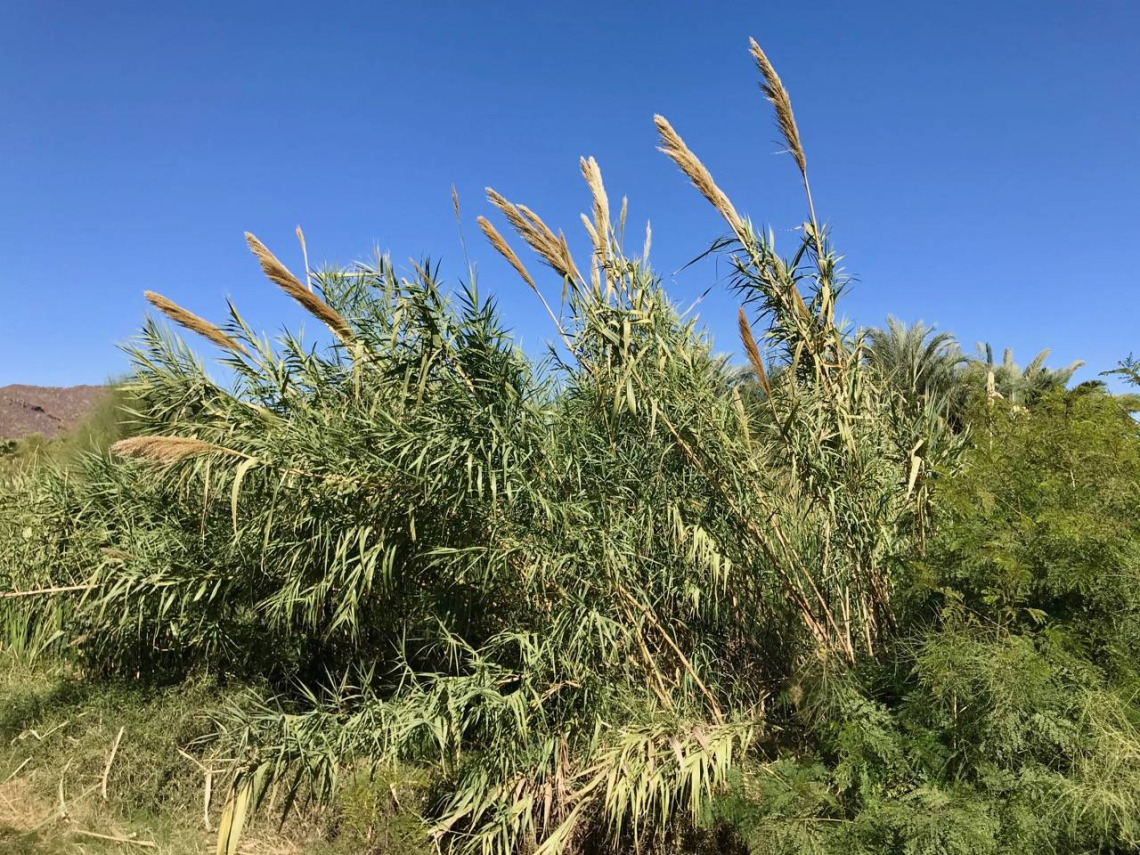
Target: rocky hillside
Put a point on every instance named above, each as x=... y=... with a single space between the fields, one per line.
x=46 y=410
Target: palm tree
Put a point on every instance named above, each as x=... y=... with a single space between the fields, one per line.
x=920 y=362
x=1020 y=386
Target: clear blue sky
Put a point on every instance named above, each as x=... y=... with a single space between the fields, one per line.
x=977 y=161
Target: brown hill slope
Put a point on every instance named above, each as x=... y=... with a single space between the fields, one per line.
x=46 y=410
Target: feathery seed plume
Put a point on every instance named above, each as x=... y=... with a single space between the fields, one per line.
x=775 y=92
x=590 y=230
x=504 y=249
x=533 y=230
x=537 y=235
x=167 y=449
x=279 y=274
x=536 y=223
x=753 y=351
x=190 y=321
x=595 y=278
x=567 y=258
x=674 y=147
x=593 y=175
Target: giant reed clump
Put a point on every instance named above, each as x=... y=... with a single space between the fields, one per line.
x=579 y=597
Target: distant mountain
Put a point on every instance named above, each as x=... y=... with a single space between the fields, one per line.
x=46 y=410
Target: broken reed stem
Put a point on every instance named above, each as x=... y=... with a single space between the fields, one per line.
x=207 y=795
x=192 y=322
x=791 y=582
x=718 y=714
x=146 y=844
x=657 y=683
x=18 y=769
x=37 y=592
x=110 y=760
x=61 y=811
x=208 y=773
x=279 y=274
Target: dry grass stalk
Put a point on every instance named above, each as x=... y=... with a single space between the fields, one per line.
x=753 y=352
x=167 y=449
x=776 y=93
x=305 y=257
x=279 y=274
x=530 y=227
x=110 y=760
x=674 y=147
x=115 y=838
x=192 y=322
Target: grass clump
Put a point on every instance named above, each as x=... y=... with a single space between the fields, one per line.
x=86 y=762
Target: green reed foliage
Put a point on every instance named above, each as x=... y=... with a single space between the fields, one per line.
x=578 y=598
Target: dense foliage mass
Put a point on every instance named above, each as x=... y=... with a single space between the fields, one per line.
x=866 y=595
